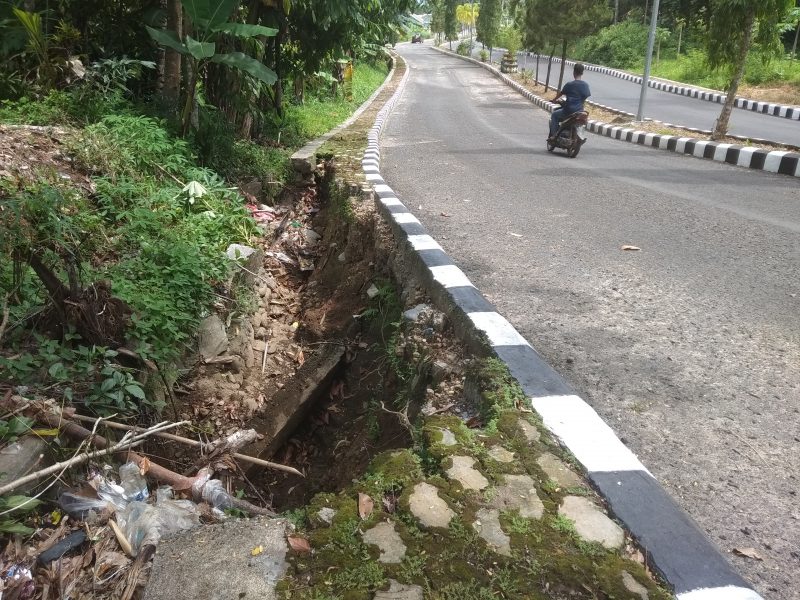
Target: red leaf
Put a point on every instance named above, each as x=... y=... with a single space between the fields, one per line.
x=299 y=544
x=365 y=506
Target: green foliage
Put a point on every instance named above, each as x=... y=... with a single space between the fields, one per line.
x=488 y=22
x=509 y=38
x=14 y=427
x=622 y=46
x=464 y=48
x=484 y=55
x=14 y=507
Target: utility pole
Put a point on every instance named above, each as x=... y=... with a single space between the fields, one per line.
x=647 y=60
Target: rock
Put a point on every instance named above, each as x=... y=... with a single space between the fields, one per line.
x=241 y=341
x=22 y=457
x=213 y=338
x=261 y=332
x=558 y=471
x=518 y=492
x=448 y=438
x=312 y=237
x=591 y=523
x=326 y=514
x=252 y=187
x=500 y=454
x=249 y=258
x=372 y=291
x=530 y=432
x=428 y=507
x=634 y=586
x=440 y=370
x=342 y=257
x=413 y=314
x=259 y=345
x=398 y=591
x=388 y=541
x=215 y=562
x=438 y=321
x=463 y=472
x=488 y=527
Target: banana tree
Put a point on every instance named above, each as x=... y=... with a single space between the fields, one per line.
x=210 y=21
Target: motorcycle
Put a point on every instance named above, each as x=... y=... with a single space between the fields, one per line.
x=571 y=135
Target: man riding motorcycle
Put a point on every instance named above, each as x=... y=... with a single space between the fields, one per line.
x=576 y=92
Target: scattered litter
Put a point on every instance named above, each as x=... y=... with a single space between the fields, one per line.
x=257 y=550
x=70 y=542
x=631 y=248
x=444 y=214
x=519 y=235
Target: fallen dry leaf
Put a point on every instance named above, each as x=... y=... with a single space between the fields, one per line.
x=144 y=466
x=299 y=544
x=365 y=506
x=444 y=214
x=257 y=550
x=748 y=553
x=300 y=358
x=628 y=247
x=515 y=234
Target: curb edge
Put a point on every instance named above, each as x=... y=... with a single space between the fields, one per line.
x=674 y=545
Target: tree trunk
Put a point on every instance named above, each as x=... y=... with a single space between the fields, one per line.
x=680 y=38
x=537 y=67
x=563 y=63
x=549 y=67
x=721 y=126
x=794 y=44
x=186 y=115
x=171 y=89
x=278 y=92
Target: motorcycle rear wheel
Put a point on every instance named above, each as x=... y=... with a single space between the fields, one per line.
x=572 y=152
x=550 y=146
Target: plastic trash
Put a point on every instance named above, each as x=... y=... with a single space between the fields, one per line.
x=211 y=491
x=81 y=507
x=109 y=491
x=145 y=524
x=69 y=542
x=133 y=483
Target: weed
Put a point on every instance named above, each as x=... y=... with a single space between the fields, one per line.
x=367 y=576
x=563 y=524
x=413 y=568
x=463 y=590
x=519 y=524
x=297 y=517
x=591 y=549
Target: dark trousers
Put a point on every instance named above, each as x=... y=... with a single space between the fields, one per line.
x=555 y=120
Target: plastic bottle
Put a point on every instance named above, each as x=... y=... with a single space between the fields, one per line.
x=133 y=483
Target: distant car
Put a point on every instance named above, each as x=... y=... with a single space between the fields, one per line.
x=416 y=38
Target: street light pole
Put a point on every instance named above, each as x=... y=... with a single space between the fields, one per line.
x=651 y=40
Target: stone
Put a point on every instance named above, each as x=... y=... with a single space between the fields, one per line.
x=326 y=514
x=249 y=258
x=388 y=541
x=27 y=454
x=591 y=523
x=448 y=438
x=342 y=257
x=488 y=527
x=252 y=187
x=530 y=432
x=428 y=507
x=413 y=314
x=372 y=291
x=241 y=337
x=558 y=471
x=634 y=586
x=215 y=562
x=213 y=339
x=312 y=237
x=259 y=345
x=518 y=492
x=500 y=454
x=398 y=591
x=463 y=472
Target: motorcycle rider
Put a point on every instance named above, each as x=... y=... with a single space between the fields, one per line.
x=576 y=92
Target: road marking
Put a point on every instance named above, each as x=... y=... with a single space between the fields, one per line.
x=450 y=276
x=499 y=331
x=729 y=592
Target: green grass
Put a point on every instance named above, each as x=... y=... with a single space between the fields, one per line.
x=320 y=114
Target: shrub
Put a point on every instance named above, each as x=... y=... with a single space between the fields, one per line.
x=622 y=46
x=484 y=54
x=464 y=48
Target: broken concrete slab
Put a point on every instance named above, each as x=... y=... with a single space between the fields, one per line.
x=529 y=431
x=292 y=402
x=634 y=586
x=388 y=541
x=326 y=514
x=500 y=454
x=428 y=507
x=448 y=438
x=463 y=472
x=213 y=339
x=518 y=492
x=398 y=591
x=216 y=562
x=488 y=527
x=591 y=523
x=558 y=471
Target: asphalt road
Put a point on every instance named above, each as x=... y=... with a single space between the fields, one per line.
x=689 y=348
x=667 y=107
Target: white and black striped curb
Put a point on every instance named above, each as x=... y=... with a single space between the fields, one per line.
x=675 y=546
x=775 y=161
x=767 y=108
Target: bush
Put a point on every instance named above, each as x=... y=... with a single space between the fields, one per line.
x=622 y=46
x=484 y=54
x=509 y=38
x=464 y=48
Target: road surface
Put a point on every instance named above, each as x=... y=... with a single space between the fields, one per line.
x=665 y=106
x=689 y=348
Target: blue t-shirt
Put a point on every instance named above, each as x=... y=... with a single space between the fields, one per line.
x=576 y=92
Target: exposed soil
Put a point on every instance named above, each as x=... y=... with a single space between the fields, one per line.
x=781 y=94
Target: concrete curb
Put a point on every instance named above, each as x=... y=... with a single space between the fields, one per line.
x=675 y=546
x=776 y=161
x=304 y=161
x=767 y=108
